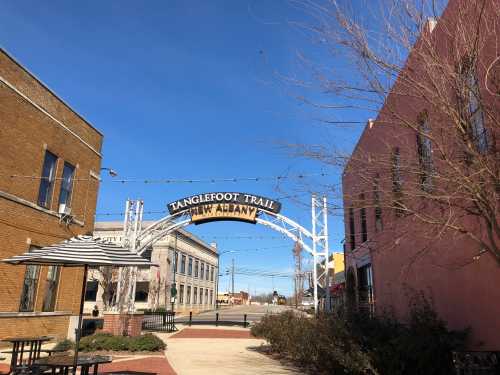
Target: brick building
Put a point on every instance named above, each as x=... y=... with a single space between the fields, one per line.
x=50 y=160
x=196 y=274
x=410 y=222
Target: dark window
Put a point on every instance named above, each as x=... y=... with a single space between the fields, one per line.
x=211 y=296
x=148 y=253
x=364 y=230
x=207 y=274
x=196 y=268
x=190 y=267
x=202 y=271
x=181 y=294
x=175 y=266
x=195 y=295
x=28 y=293
x=376 y=203
x=212 y=274
x=183 y=264
x=471 y=102
x=66 y=187
x=49 y=302
x=424 y=148
x=188 y=295
x=47 y=180
x=365 y=289
x=206 y=296
x=91 y=291
x=352 y=229
x=397 y=182
x=141 y=291
x=201 y=296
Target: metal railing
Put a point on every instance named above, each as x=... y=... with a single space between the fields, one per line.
x=218 y=321
x=163 y=321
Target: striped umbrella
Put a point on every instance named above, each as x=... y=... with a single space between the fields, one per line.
x=81 y=251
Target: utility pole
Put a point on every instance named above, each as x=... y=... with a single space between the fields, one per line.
x=232 y=280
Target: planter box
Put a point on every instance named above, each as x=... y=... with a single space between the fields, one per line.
x=123 y=324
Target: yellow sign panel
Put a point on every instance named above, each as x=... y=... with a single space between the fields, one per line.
x=223 y=211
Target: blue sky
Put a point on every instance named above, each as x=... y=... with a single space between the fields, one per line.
x=185 y=89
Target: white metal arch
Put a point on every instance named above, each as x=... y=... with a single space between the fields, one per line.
x=315 y=242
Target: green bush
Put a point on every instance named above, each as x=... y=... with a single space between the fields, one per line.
x=65 y=345
x=359 y=344
x=146 y=343
x=108 y=342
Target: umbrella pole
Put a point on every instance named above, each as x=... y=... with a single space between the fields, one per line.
x=80 y=318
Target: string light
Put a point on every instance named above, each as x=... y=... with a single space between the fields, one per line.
x=182 y=180
x=215 y=180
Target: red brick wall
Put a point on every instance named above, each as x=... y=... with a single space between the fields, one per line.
x=404 y=256
x=116 y=324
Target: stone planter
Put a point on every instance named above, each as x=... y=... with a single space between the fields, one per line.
x=118 y=324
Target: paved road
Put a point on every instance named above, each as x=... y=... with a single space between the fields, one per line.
x=235 y=313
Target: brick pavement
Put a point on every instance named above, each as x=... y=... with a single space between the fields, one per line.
x=200 y=333
x=146 y=366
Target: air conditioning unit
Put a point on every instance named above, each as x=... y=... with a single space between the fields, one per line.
x=64 y=209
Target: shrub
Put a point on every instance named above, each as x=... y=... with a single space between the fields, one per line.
x=108 y=342
x=360 y=344
x=65 y=345
x=147 y=342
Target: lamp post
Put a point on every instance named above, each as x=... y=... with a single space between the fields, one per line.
x=218 y=274
x=111 y=171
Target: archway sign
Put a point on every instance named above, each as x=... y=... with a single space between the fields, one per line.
x=236 y=206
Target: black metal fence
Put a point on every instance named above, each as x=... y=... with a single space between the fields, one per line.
x=163 y=321
x=218 y=321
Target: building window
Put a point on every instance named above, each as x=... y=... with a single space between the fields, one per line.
x=183 y=264
x=211 y=296
x=206 y=296
x=47 y=180
x=91 y=291
x=28 y=293
x=202 y=271
x=212 y=274
x=471 y=102
x=195 y=295
x=196 y=268
x=352 y=229
x=376 y=203
x=364 y=229
x=66 y=187
x=49 y=302
x=201 y=296
x=141 y=291
x=188 y=295
x=190 y=267
x=181 y=294
x=397 y=182
x=207 y=274
x=424 y=149
x=365 y=289
x=175 y=266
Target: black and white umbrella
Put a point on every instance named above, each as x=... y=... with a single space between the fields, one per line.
x=81 y=251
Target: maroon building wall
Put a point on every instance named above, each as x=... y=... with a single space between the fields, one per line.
x=460 y=281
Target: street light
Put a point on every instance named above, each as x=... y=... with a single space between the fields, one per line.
x=218 y=274
x=111 y=171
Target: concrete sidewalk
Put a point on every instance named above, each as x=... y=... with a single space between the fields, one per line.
x=224 y=356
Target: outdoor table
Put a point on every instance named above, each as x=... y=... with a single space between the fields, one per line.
x=64 y=363
x=25 y=350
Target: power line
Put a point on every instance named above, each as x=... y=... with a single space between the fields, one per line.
x=215 y=179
